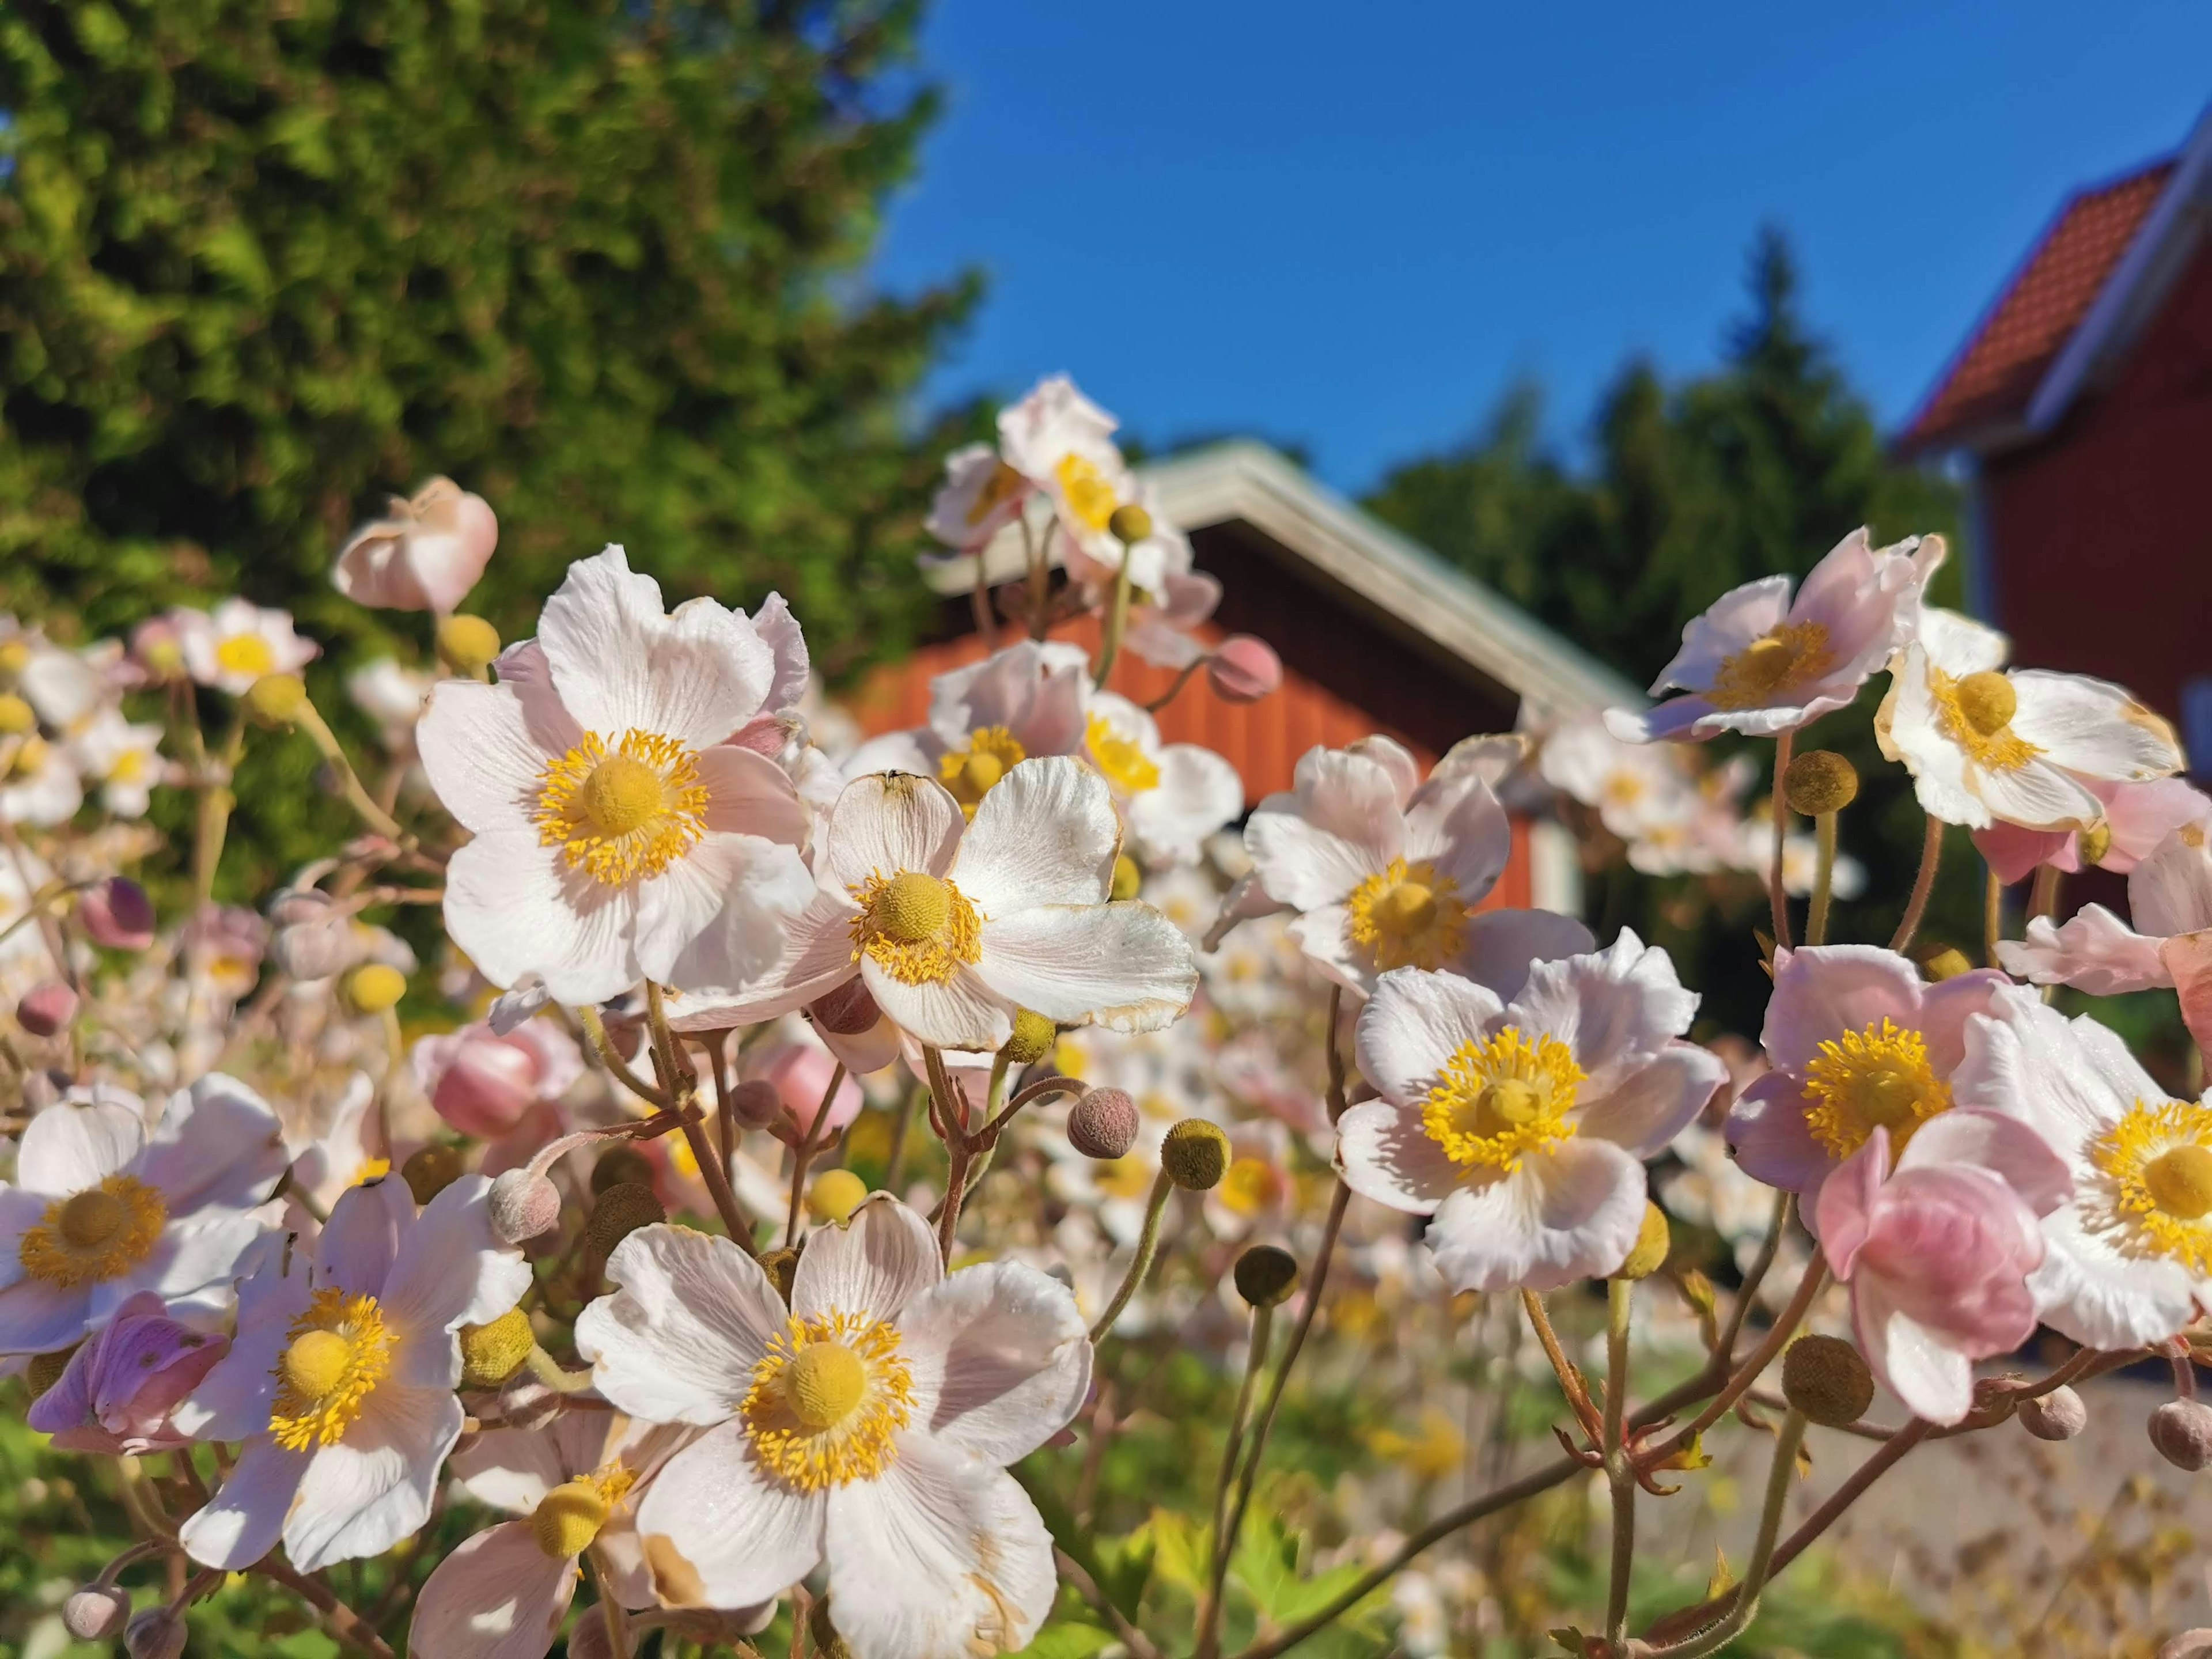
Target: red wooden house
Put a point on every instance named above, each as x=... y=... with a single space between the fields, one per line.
x=1376 y=633
x=2081 y=406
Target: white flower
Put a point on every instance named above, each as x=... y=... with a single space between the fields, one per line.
x=99 y=1208
x=867 y=1427
x=618 y=836
x=342 y=1150
x=394 y=697
x=1983 y=745
x=1385 y=875
x=2169 y=898
x=1173 y=795
x=1633 y=787
x=2128 y=1258
x=1523 y=1130
x=238 y=642
x=1030 y=700
x=124 y=758
x=340 y=1381
x=953 y=926
x=38 y=782
x=62 y=686
x=423 y=554
x=980 y=496
x=1063 y=443
x=1758 y=662
x=576 y=1484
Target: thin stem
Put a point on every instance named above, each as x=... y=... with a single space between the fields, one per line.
x=1570 y=1380
x=341 y=1621
x=547 y=1370
x=1148 y=1244
x=1037 y=551
x=809 y=1144
x=1336 y=1101
x=1139 y=1645
x=725 y=1123
x=604 y=1050
x=1176 y=686
x=953 y=1116
x=1992 y=917
x=310 y=720
x=979 y=603
x=1724 y=1349
x=1746 y=1605
x=1816 y=1276
x=1777 y=900
x=1931 y=854
x=2043 y=897
x=1620 y=1473
x=1209 y=1613
x=1824 y=877
x=683 y=1092
x=610 y=1609
x=1117 y=619
x=1036 y=1092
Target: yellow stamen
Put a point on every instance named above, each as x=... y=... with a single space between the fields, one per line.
x=1778 y=662
x=1409 y=916
x=828 y=1400
x=1120 y=761
x=1089 y=495
x=1248 y=1186
x=245 y=653
x=1878 y=1076
x=1496 y=1102
x=624 y=813
x=1001 y=486
x=1963 y=709
x=100 y=1234
x=917 y=927
x=2155 y=1189
x=991 y=752
x=570 y=1516
x=335 y=1354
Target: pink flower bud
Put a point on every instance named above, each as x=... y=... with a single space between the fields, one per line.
x=800 y=1074
x=157 y=1633
x=46 y=1009
x=755 y=1104
x=1102 y=1124
x=118 y=914
x=524 y=1205
x=94 y=1613
x=1244 y=670
x=314 y=948
x=2059 y=1415
x=848 y=1010
x=484 y=1084
x=589 y=1640
x=117 y=1391
x=2181 y=1431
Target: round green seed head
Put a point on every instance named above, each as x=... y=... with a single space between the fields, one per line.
x=1819 y=781
x=620 y=1164
x=1195 y=1155
x=1266 y=1276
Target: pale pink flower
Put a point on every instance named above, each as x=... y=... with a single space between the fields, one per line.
x=1030 y=699
x=118 y=1388
x=235 y=644
x=2170 y=903
x=484 y=1083
x=1760 y=662
x=1859 y=1043
x=800 y=1072
x=1162 y=623
x=980 y=496
x=2139 y=816
x=1937 y=1251
x=425 y=553
x=1171 y=795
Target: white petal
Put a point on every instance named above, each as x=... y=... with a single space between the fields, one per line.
x=2093 y=727
x=74 y=1144
x=1386 y=1155
x=1655 y=1100
x=965 y=1012
x=496 y=1596
x=814 y=958
x=1340 y=825
x=999 y=1358
x=2094 y=951
x=36 y=1317
x=1199 y=791
x=875 y=1264
x=231 y=1401
x=360 y=1242
x=1414 y=1023
x=1500 y=946
x=512 y=1469
x=1722 y=629
x=780 y=631
x=1455 y=823
x=1613 y=1006
x=374 y=1488
x=2170 y=892
x=1124 y=966
x=944 y=1557
x=749 y=794
x=889 y=821
x=219 y=1142
x=2035 y=796
x=752 y=892
x=1046 y=834
x=1571 y=1213
x=1824 y=990
x=517 y=908
x=678 y=1340
x=1934 y=1381
x=2099 y=1297
x=485 y=758
x=244 y=1520
x=451 y=1271
x=718 y=1531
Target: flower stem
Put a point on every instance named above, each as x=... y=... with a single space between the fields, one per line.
x=1209 y=1613
x=1779 y=901
x=1816 y=1276
x=310 y=720
x=1992 y=918
x=1571 y=1379
x=682 y=1088
x=1931 y=854
x=1148 y=1244
x=1117 y=619
x=604 y=1050
x=1746 y=1605
x=1823 y=878
x=1620 y=1473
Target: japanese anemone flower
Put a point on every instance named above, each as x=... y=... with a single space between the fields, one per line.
x=1386 y=875
x=618 y=835
x=980 y=496
x=2138 y=818
x=575 y=1485
x=1986 y=744
x=1859 y=1043
x=2130 y=1257
x=1173 y=795
x=425 y=553
x=237 y=642
x=1522 y=1129
x=955 y=927
x=1937 y=1251
x=2169 y=902
x=867 y=1425
x=340 y=1380
x=1760 y=662
x=100 y=1208
x=1029 y=700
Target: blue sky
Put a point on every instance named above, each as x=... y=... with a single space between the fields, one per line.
x=1353 y=226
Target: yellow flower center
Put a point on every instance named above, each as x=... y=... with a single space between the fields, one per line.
x=129 y=767
x=626 y=814
x=1497 y=1101
x=1122 y=760
x=100 y=1234
x=1001 y=486
x=569 y=1517
x=372 y=1168
x=828 y=1401
x=1779 y=661
x=245 y=653
x=968 y=773
x=1088 y=493
x=334 y=1355
x=1975 y=714
x=1125 y=1177
x=917 y=927
x=2156 y=1192
x=1876 y=1077
x=1248 y=1185
x=1409 y=916
x=32 y=756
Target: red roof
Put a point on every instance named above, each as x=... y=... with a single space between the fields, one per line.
x=1993 y=380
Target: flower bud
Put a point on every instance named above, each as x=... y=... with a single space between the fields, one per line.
x=1819 y=781
x=430 y=1169
x=470 y=643
x=1266 y=1276
x=621 y=1163
x=118 y=914
x=95 y=1613
x=1129 y=524
x=782 y=1267
x=313 y=948
x=619 y=1211
x=1826 y=1379
x=1949 y=963
x=1034 y=1035
x=1648 y=1254
x=157 y=1633
x=1128 y=879
x=374 y=987
x=46 y=1009
x=756 y=1102
x=1195 y=1155
x=523 y=1204
x=2059 y=1415
x=849 y=1011
x=836 y=1194
x=17 y=718
x=492 y=1352
x=1244 y=670
x=277 y=699
x=1103 y=1123
x=2181 y=1430
x=2094 y=843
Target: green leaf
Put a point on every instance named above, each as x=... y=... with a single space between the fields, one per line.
x=1069 y=1640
